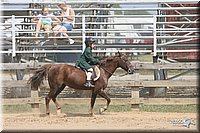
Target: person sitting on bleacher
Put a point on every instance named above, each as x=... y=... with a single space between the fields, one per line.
x=44 y=21
x=68 y=17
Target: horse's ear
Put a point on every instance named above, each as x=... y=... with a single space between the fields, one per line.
x=119 y=54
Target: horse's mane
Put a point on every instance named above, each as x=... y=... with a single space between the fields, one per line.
x=105 y=61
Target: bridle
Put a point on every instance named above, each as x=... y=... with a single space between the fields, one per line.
x=128 y=65
x=113 y=73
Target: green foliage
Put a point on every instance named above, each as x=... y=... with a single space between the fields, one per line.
x=16 y=108
x=116 y=6
x=117 y=12
x=136 y=13
x=83 y=108
x=80 y=108
x=169 y=108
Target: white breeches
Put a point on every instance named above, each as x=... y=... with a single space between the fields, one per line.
x=89 y=74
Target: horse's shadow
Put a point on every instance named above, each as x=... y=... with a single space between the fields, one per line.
x=68 y=115
x=78 y=115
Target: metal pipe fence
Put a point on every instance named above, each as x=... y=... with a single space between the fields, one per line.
x=156 y=33
x=110 y=9
x=101 y=1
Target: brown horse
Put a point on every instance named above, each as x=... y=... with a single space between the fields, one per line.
x=61 y=75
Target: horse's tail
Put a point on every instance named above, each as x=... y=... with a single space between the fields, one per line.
x=39 y=76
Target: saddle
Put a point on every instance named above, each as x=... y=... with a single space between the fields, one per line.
x=95 y=73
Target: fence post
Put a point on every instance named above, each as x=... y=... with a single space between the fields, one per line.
x=135 y=98
x=35 y=101
x=13 y=37
x=83 y=33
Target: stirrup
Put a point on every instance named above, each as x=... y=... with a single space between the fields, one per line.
x=88 y=84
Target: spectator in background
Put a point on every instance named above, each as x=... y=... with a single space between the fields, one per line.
x=45 y=21
x=67 y=18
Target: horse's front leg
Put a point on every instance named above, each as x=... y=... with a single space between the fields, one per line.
x=93 y=99
x=104 y=95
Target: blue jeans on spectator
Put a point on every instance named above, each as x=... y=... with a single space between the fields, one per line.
x=68 y=26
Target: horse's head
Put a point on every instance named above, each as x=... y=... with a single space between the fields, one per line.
x=125 y=64
x=117 y=61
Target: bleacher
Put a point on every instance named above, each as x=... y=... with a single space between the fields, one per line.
x=116 y=27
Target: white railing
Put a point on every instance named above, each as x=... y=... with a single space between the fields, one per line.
x=157 y=32
x=110 y=9
x=83 y=32
x=99 y=1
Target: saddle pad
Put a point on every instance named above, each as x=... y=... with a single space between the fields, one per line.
x=96 y=73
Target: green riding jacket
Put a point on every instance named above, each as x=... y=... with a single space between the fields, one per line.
x=86 y=60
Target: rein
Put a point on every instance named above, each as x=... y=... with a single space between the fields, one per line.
x=112 y=73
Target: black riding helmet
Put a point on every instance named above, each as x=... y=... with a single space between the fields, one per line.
x=89 y=41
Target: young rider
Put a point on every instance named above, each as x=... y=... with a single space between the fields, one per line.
x=87 y=60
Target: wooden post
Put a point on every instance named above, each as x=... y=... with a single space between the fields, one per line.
x=135 y=98
x=135 y=101
x=34 y=101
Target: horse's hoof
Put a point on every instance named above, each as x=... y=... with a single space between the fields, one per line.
x=91 y=114
x=101 y=110
x=47 y=114
x=59 y=112
x=62 y=115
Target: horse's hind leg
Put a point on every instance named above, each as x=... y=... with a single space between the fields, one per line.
x=104 y=95
x=47 y=100
x=93 y=98
x=55 y=101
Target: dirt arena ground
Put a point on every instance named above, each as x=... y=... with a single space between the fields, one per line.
x=132 y=120
x=111 y=121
